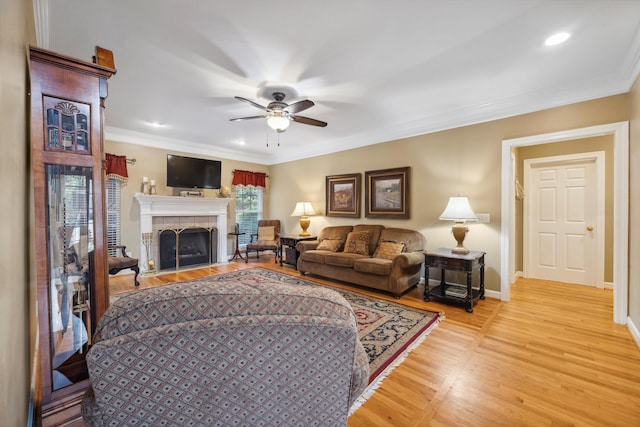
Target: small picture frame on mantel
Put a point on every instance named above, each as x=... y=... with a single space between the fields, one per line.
x=387 y=193
x=343 y=195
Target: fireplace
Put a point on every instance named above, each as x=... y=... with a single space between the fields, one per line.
x=159 y=213
x=189 y=247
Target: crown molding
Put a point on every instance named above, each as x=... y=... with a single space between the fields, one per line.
x=172 y=144
x=509 y=107
x=467 y=116
x=632 y=62
x=41 y=18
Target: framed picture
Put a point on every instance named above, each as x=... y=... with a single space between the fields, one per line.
x=387 y=193
x=343 y=195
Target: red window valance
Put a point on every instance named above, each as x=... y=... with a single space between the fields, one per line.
x=117 y=168
x=257 y=179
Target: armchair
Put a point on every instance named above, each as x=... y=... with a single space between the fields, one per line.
x=117 y=263
x=267 y=238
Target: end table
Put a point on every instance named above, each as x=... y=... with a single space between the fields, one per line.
x=291 y=252
x=444 y=259
x=237 y=253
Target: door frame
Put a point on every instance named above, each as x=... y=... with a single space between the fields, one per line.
x=597 y=158
x=620 y=132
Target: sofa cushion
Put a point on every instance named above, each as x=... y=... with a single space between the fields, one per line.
x=315 y=255
x=342 y=259
x=357 y=243
x=335 y=232
x=378 y=266
x=332 y=245
x=374 y=234
x=413 y=240
x=389 y=250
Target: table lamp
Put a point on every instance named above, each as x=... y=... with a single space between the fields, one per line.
x=459 y=211
x=302 y=210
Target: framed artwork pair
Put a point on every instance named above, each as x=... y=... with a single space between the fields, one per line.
x=386 y=194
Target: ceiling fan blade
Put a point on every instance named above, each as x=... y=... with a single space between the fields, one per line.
x=296 y=107
x=308 y=121
x=255 y=104
x=247 y=118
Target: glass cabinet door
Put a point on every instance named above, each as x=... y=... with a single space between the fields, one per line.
x=71 y=242
x=67 y=125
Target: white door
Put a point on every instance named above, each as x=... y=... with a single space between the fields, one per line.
x=564 y=219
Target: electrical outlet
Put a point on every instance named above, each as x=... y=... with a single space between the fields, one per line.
x=484 y=217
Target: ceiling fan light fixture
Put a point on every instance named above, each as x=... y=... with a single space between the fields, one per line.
x=278 y=122
x=279 y=114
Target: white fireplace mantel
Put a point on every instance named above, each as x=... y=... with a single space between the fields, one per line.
x=151 y=206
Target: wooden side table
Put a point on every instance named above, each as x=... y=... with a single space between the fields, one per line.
x=291 y=252
x=447 y=292
x=237 y=253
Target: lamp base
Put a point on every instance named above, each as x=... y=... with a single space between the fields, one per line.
x=459 y=231
x=305 y=222
x=460 y=250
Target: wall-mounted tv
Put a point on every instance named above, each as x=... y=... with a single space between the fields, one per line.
x=188 y=172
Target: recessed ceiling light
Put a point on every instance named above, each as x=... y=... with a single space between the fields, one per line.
x=154 y=124
x=557 y=39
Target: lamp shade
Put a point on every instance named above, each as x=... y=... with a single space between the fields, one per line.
x=458 y=209
x=303 y=209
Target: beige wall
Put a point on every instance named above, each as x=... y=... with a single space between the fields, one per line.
x=152 y=163
x=586 y=145
x=17 y=288
x=464 y=161
x=634 y=205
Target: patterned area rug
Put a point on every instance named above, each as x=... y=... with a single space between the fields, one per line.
x=388 y=331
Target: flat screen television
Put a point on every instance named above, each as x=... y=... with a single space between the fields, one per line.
x=188 y=172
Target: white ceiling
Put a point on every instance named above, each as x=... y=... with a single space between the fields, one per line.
x=377 y=70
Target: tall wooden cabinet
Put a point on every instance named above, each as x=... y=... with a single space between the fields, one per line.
x=67 y=100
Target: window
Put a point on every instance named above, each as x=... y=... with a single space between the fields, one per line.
x=248 y=210
x=113 y=214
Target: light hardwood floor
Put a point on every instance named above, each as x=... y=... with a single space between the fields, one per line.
x=550 y=356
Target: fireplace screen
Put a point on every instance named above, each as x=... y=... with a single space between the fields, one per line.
x=187 y=247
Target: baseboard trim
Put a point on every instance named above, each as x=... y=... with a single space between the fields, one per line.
x=492 y=294
x=634 y=331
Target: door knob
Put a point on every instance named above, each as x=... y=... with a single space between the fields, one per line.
x=589 y=228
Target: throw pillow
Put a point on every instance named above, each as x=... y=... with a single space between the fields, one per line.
x=332 y=245
x=389 y=250
x=266 y=233
x=357 y=243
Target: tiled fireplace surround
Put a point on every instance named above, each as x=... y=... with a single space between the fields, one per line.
x=163 y=212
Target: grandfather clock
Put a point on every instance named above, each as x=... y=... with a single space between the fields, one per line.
x=67 y=101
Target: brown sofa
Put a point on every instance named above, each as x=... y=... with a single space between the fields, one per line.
x=335 y=255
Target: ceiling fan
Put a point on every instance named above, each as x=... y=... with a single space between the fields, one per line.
x=279 y=114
